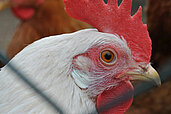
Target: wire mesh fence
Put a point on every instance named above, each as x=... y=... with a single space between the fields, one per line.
x=139 y=88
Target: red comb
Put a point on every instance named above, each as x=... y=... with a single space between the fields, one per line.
x=110 y=18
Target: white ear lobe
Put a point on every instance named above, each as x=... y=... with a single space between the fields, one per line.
x=82 y=80
x=80 y=71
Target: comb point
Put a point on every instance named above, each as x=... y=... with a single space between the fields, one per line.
x=113 y=3
x=126 y=6
x=138 y=14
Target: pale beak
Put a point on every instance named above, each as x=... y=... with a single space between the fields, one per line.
x=150 y=74
x=4 y=4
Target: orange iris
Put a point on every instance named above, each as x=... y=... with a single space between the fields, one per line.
x=108 y=56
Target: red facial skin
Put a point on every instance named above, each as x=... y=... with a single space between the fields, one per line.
x=123 y=63
x=122 y=88
x=24 y=9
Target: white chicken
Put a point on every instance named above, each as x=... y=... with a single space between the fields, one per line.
x=63 y=72
x=81 y=71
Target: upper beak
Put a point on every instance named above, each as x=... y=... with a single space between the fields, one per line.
x=150 y=74
x=4 y=4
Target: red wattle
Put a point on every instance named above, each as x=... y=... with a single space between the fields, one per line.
x=115 y=94
x=23 y=13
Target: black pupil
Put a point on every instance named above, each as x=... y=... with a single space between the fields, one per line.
x=108 y=56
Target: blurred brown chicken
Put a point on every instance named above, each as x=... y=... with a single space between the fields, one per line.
x=159 y=27
x=39 y=18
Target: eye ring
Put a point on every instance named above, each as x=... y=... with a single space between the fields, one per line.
x=108 y=57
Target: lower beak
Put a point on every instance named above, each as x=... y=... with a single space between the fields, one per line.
x=149 y=75
x=4 y=5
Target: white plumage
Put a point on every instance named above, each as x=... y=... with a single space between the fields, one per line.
x=48 y=63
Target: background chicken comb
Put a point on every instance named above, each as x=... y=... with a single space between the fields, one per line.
x=110 y=18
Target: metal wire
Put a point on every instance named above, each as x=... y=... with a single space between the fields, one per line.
x=31 y=84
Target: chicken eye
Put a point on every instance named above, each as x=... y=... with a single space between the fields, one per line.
x=108 y=57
